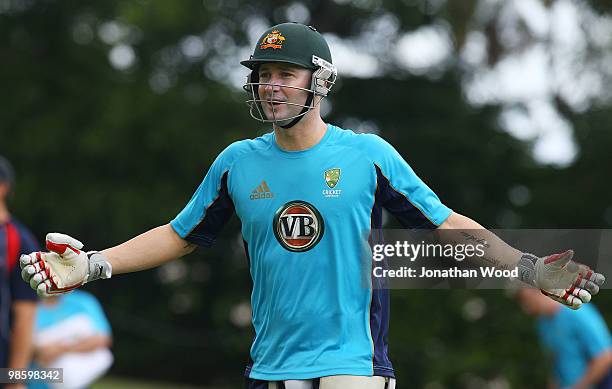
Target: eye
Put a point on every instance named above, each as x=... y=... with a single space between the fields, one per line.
x=287 y=74
x=264 y=75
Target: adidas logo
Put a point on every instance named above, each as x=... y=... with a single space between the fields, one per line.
x=261 y=192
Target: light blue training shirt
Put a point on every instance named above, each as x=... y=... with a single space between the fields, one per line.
x=306 y=220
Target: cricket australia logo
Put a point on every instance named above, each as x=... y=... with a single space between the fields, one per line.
x=273 y=40
x=332 y=176
x=298 y=226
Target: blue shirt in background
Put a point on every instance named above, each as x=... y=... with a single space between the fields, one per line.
x=573 y=339
x=77 y=302
x=69 y=306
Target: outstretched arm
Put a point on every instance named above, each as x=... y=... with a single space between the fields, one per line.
x=150 y=249
x=66 y=267
x=497 y=252
x=560 y=278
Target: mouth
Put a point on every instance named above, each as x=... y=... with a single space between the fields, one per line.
x=274 y=104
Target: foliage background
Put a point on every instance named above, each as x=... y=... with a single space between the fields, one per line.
x=113 y=110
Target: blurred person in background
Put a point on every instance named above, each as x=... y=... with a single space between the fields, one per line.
x=309 y=195
x=72 y=333
x=17 y=302
x=577 y=341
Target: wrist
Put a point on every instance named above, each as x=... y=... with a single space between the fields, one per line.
x=527 y=268
x=99 y=266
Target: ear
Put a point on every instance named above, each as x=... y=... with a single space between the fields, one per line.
x=4 y=190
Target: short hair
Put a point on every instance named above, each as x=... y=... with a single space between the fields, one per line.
x=7 y=174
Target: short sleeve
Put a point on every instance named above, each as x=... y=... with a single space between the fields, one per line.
x=211 y=206
x=401 y=192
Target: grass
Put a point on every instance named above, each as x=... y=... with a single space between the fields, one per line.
x=124 y=383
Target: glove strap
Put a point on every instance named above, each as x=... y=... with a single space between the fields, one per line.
x=526 y=268
x=99 y=267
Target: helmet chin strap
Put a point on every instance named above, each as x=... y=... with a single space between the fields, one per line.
x=302 y=113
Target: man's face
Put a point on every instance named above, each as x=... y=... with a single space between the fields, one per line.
x=283 y=76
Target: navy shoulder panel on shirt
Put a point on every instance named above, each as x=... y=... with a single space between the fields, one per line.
x=399 y=189
x=211 y=205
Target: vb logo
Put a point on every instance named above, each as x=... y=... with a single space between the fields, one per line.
x=298 y=226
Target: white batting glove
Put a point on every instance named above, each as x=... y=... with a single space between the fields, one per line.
x=64 y=268
x=558 y=277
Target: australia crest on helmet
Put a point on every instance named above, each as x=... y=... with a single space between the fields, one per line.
x=273 y=40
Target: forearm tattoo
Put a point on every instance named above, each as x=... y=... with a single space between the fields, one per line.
x=490 y=260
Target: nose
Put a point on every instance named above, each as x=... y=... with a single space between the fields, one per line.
x=271 y=89
x=272 y=84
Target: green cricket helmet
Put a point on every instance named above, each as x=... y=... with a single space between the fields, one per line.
x=295 y=44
